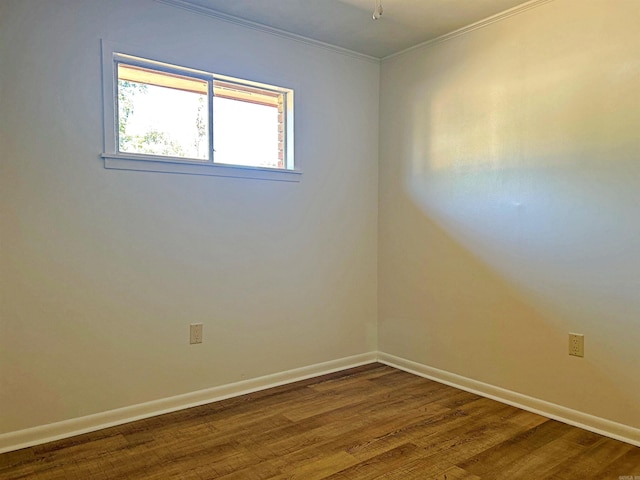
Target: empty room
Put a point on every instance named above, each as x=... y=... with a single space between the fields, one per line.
x=319 y=239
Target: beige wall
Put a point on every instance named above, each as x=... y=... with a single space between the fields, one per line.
x=506 y=214
x=508 y=205
x=103 y=270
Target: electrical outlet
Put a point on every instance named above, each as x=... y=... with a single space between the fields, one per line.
x=195 y=333
x=576 y=344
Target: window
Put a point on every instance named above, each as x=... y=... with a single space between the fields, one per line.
x=169 y=118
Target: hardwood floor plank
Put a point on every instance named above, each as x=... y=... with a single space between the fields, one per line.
x=450 y=449
x=353 y=378
x=456 y=473
x=628 y=465
x=379 y=465
x=592 y=461
x=495 y=459
x=368 y=423
x=259 y=471
x=540 y=462
x=317 y=466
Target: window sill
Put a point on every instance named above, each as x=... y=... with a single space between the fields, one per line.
x=148 y=163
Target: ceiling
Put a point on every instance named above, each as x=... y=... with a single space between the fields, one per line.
x=349 y=24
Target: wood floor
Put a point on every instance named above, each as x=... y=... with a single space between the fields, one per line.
x=371 y=422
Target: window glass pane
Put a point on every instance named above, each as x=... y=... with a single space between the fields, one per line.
x=162 y=114
x=246 y=133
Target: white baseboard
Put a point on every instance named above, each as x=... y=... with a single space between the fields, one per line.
x=90 y=423
x=582 y=420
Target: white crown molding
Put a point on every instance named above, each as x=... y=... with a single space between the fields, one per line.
x=209 y=12
x=599 y=425
x=472 y=27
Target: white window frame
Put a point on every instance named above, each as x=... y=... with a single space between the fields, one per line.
x=114 y=159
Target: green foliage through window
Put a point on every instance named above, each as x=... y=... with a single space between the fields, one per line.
x=158 y=120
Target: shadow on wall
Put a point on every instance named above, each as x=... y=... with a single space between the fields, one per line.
x=533 y=168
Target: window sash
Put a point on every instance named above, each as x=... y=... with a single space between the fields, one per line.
x=157 y=74
x=221 y=88
x=225 y=87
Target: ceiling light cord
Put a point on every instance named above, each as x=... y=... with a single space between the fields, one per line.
x=377 y=11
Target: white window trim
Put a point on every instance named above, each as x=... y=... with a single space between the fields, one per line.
x=156 y=163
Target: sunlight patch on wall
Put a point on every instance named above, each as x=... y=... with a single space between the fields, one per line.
x=530 y=162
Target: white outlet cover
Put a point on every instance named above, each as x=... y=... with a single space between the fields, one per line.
x=195 y=333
